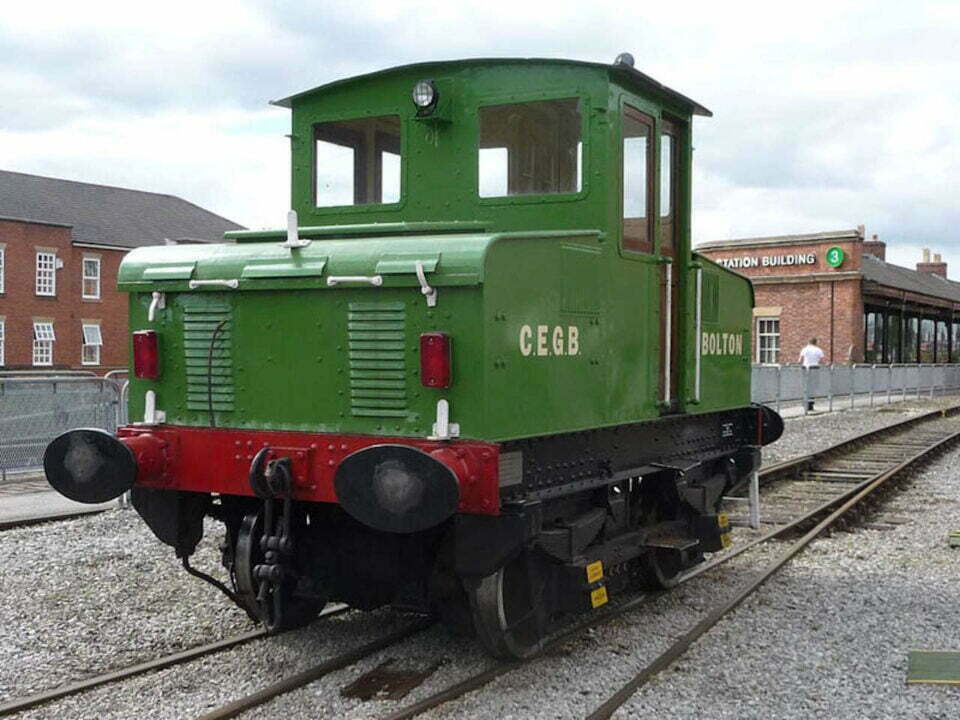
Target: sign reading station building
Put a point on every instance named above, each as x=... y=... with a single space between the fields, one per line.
x=752 y=261
x=835 y=256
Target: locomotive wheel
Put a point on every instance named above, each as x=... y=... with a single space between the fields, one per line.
x=297 y=611
x=508 y=612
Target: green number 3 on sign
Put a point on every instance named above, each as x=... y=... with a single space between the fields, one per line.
x=835 y=257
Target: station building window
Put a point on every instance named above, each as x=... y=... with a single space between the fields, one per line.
x=2 y=264
x=768 y=340
x=955 y=343
x=357 y=162
x=892 y=342
x=43 y=339
x=92 y=342
x=928 y=339
x=911 y=338
x=2 y=341
x=943 y=342
x=46 y=273
x=531 y=148
x=91 y=278
x=874 y=337
x=637 y=180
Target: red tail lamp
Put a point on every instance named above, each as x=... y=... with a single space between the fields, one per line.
x=146 y=355
x=435 y=359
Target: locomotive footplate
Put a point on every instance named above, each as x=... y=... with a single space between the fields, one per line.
x=675 y=544
x=582 y=586
x=559 y=465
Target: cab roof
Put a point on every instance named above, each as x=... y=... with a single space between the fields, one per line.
x=624 y=73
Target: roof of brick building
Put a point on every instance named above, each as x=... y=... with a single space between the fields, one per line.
x=883 y=273
x=105 y=215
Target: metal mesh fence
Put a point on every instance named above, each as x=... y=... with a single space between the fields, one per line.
x=33 y=411
x=780 y=386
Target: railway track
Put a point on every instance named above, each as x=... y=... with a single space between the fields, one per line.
x=796 y=494
x=815 y=490
x=305 y=677
x=62 y=691
x=39 y=520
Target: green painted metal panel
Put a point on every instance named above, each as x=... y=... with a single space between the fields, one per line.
x=555 y=326
x=169 y=272
x=283 y=269
x=936 y=667
x=268 y=266
x=397 y=264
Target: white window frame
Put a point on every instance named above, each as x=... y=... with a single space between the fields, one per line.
x=84 y=278
x=46 y=275
x=761 y=335
x=2 y=341
x=43 y=339
x=3 y=269
x=92 y=341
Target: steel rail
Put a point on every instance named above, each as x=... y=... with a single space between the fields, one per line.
x=160 y=663
x=680 y=646
x=40 y=519
x=306 y=677
x=473 y=682
x=484 y=677
x=794 y=464
x=503 y=667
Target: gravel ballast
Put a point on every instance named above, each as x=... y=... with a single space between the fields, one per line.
x=828 y=638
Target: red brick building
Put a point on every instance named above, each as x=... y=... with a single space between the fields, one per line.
x=61 y=243
x=838 y=288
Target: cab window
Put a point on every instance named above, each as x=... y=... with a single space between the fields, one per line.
x=357 y=162
x=637 y=180
x=532 y=148
x=669 y=175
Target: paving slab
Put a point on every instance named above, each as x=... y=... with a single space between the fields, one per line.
x=32 y=505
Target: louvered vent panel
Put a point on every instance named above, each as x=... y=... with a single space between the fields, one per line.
x=378 y=367
x=209 y=375
x=711 y=298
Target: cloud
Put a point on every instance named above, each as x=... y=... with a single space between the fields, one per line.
x=233 y=163
x=827 y=115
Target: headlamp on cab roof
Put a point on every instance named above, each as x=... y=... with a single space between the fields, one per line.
x=425 y=96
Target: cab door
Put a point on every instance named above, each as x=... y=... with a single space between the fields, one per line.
x=639 y=246
x=669 y=242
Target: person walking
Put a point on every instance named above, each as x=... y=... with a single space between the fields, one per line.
x=810 y=357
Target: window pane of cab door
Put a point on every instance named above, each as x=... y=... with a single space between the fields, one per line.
x=666 y=175
x=637 y=176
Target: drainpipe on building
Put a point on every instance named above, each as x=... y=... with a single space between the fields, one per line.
x=833 y=286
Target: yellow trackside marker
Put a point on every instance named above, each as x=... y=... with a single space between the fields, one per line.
x=723 y=520
x=595 y=571
x=598 y=597
x=725 y=539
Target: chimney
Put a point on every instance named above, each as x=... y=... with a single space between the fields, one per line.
x=937 y=267
x=876 y=247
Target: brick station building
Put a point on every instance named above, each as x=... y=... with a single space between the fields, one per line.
x=61 y=243
x=838 y=288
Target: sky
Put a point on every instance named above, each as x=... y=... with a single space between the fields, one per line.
x=827 y=115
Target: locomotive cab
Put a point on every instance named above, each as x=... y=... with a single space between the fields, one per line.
x=479 y=373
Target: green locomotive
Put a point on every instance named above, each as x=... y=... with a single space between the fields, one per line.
x=480 y=373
